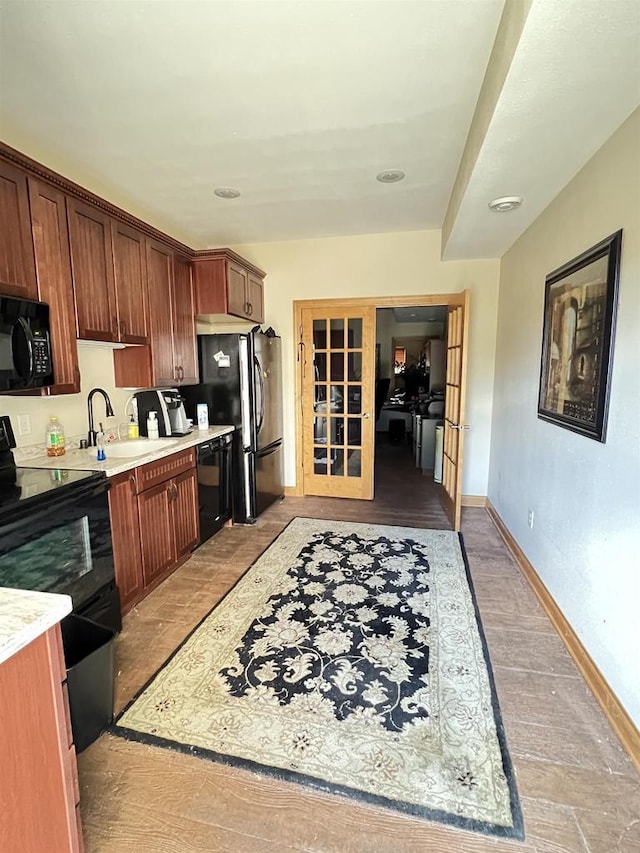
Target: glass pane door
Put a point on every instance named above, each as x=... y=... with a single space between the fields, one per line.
x=338 y=396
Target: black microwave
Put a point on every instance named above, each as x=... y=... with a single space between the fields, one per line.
x=25 y=345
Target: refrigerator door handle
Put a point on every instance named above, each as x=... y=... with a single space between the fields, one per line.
x=245 y=401
x=258 y=370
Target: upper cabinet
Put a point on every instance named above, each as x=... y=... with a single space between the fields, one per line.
x=160 y=272
x=170 y=360
x=53 y=267
x=93 y=275
x=17 y=265
x=184 y=326
x=130 y=271
x=109 y=275
x=227 y=285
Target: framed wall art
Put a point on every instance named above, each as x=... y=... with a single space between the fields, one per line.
x=577 y=343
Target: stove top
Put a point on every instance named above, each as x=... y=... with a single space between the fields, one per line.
x=31 y=484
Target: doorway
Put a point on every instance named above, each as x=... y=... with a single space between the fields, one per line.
x=314 y=381
x=410 y=398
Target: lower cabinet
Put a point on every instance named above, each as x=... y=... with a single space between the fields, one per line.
x=154 y=523
x=39 y=792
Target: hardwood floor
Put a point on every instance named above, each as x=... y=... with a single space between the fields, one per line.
x=579 y=791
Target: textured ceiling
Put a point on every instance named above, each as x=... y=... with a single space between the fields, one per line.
x=154 y=103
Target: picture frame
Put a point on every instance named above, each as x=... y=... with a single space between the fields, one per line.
x=580 y=305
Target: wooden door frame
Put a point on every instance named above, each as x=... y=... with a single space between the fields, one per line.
x=412 y=301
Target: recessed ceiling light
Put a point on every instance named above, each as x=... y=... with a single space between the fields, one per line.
x=505 y=203
x=226 y=192
x=390 y=176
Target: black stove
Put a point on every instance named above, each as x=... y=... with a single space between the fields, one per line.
x=22 y=489
x=55 y=534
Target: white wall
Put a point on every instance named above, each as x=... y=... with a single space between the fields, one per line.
x=96 y=369
x=402 y=263
x=585 y=543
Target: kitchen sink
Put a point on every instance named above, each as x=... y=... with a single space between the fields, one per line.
x=134 y=447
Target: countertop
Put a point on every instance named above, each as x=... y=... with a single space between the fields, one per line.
x=25 y=615
x=84 y=460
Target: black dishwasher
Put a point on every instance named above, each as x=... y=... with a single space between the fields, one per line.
x=214 y=484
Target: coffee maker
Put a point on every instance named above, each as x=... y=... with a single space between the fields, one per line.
x=180 y=424
x=168 y=405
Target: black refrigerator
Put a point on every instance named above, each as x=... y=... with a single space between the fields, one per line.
x=241 y=383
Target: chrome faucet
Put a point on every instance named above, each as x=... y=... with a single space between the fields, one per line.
x=92 y=433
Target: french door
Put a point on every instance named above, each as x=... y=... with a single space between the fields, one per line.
x=454 y=426
x=336 y=358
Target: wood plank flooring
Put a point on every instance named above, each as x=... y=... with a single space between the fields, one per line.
x=580 y=793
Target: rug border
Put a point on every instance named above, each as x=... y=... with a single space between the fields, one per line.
x=445 y=818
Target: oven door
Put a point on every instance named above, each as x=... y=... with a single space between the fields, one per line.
x=62 y=545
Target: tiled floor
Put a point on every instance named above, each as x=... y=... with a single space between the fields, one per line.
x=579 y=790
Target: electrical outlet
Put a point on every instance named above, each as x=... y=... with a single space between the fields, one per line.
x=530 y=519
x=24 y=425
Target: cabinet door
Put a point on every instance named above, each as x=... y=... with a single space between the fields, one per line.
x=53 y=268
x=184 y=326
x=130 y=268
x=185 y=512
x=160 y=279
x=17 y=265
x=125 y=532
x=92 y=267
x=236 y=290
x=157 y=537
x=255 y=298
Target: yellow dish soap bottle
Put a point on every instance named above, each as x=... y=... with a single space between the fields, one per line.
x=55 y=437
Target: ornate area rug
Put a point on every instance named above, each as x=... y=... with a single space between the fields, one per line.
x=349 y=657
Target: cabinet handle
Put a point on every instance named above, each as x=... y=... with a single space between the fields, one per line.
x=132 y=480
x=176 y=375
x=114 y=326
x=249 y=308
x=170 y=491
x=181 y=373
x=123 y=327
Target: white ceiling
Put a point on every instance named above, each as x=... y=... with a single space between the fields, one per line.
x=300 y=104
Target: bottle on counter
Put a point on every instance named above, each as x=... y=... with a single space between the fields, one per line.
x=132 y=428
x=153 y=430
x=55 y=437
x=100 y=442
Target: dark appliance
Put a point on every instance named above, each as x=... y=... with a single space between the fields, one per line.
x=25 y=347
x=241 y=383
x=152 y=401
x=55 y=534
x=213 y=460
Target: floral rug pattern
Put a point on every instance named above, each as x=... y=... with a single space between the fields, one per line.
x=349 y=657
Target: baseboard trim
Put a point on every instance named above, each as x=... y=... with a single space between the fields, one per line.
x=474 y=500
x=292 y=492
x=620 y=721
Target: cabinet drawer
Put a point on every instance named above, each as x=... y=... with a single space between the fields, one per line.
x=154 y=473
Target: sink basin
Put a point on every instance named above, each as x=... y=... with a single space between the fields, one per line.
x=134 y=447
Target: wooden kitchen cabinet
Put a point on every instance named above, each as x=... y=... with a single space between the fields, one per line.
x=53 y=271
x=226 y=284
x=93 y=275
x=39 y=792
x=125 y=534
x=170 y=360
x=130 y=273
x=17 y=264
x=154 y=522
x=185 y=357
x=109 y=262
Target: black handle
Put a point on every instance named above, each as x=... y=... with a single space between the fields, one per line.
x=258 y=369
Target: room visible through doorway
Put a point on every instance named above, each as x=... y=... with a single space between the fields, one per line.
x=411 y=349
